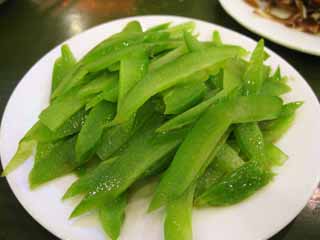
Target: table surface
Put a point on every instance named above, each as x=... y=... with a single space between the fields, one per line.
x=30 y=28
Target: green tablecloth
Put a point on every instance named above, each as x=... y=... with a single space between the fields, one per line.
x=29 y=29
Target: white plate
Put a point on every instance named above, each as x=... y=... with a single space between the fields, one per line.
x=257 y=218
x=272 y=30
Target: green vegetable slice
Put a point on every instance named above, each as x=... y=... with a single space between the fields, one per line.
x=103 y=81
x=52 y=160
x=83 y=184
x=133 y=27
x=271 y=88
x=115 y=137
x=275 y=156
x=256 y=107
x=275 y=129
x=62 y=66
x=180 y=98
x=92 y=129
x=61 y=110
x=192 y=43
x=225 y=168
x=226 y=160
x=75 y=77
x=254 y=75
x=133 y=67
x=250 y=141
x=178 y=220
x=40 y=133
x=167 y=58
x=111 y=216
x=24 y=151
x=236 y=186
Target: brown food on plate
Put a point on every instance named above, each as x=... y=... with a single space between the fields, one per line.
x=300 y=14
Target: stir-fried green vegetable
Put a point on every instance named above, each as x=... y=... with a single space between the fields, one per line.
x=196 y=116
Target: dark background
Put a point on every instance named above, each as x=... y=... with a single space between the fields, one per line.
x=29 y=29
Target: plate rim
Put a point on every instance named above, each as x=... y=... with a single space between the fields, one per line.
x=270 y=37
x=52 y=230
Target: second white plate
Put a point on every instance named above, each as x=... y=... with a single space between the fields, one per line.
x=272 y=30
x=257 y=218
